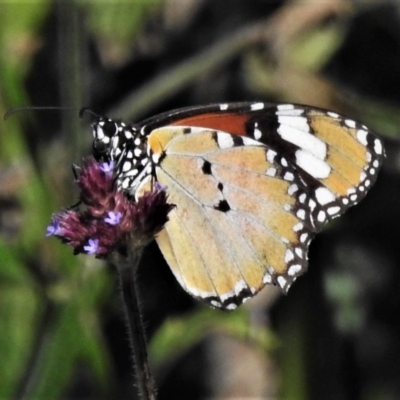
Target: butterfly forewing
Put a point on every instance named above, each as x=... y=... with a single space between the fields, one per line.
x=252 y=184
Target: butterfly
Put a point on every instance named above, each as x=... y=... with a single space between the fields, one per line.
x=252 y=184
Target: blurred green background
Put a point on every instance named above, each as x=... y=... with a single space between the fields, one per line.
x=62 y=333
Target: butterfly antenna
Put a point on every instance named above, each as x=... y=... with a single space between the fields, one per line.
x=30 y=108
x=88 y=110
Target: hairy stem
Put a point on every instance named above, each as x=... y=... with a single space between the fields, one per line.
x=127 y=268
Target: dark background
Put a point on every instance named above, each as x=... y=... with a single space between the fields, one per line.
x=62 y=334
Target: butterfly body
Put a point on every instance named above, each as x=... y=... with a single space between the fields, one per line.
x=252 y=184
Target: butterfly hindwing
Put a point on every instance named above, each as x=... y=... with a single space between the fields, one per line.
x=234 y=228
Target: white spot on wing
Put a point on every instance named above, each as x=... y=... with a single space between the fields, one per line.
x=314 y=166
x=289 y=256
x=271 y=155
x=301 y=214
x=256 y=106
x=282 y=107
x=333 y=210
x=298 y=227
x=215 y=303
x=290 y=112
x=294 y=269
x=271 y=172
x=321 y=216
x=299 y=252
x=350 y=123
x=257 y=134
x=241 y=285
x=304 y=140
x=281 y=281
x=324 y=196
x=288 y=176
x=250 y=142
x=378 y=146
x=332 y=114
x=223 y=107
x=292 y=189
x=267 y=278
x=362 y=136
x=303 y=237
x=296 y=122
x=225 y=140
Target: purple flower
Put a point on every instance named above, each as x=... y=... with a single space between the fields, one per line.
x=113 y=218
x=92 y=247
x=96 y=216
x=107 y=167
x=54 y=229
x=159 y=188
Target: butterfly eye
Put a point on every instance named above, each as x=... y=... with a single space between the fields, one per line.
x=104 y=130
x=109 y=128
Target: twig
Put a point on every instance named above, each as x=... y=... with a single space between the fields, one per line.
x=176 y=78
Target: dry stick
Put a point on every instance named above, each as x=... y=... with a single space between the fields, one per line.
x=126 y=270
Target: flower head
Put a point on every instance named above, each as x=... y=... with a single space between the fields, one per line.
x=107 y=219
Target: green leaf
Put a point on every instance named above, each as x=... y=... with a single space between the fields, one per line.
x=19 y=308
x=179 y=334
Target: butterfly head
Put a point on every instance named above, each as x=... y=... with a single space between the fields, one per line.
x=104 y=130
x=126 y=146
